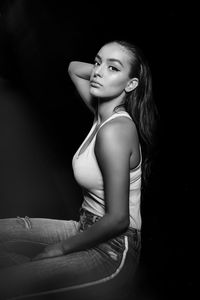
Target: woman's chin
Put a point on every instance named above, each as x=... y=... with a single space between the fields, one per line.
x=94 y=92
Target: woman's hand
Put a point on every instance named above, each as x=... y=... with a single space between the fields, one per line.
x=50 y=251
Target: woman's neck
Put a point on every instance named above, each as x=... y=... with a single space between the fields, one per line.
x=106 y=109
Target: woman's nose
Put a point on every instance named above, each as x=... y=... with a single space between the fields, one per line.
x=98 y=71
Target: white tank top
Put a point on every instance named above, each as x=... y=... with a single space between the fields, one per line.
x=88 y=175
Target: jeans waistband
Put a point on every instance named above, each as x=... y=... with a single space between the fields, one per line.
x=87 y=219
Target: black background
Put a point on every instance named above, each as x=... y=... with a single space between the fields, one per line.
x=43 y=121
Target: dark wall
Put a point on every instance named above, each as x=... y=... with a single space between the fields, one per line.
x=43 y=121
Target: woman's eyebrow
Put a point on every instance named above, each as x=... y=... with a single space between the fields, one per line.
x=98 y=56
x=115 y=60
x=110 y=60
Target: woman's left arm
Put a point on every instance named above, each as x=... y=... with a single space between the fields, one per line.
x=113 y=150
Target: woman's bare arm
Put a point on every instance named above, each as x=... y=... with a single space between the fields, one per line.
x=113 y=150
x=79 y=73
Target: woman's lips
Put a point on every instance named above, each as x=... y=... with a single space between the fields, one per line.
x=95 y=83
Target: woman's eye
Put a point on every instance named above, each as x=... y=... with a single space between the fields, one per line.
x=96 y=63
x=111 y=68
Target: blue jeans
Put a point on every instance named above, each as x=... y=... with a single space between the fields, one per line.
x=105 y=270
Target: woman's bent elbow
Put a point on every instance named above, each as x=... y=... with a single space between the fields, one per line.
x=70 y=67
x=122 y=224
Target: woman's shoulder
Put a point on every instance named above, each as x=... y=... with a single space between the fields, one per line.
x=119 y=130
x=120 y=125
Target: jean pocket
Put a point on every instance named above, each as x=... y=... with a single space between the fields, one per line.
x=135 y=241
x=113 y=248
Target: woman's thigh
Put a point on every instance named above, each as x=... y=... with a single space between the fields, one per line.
x=39 y=230
x=53 y=275
x=21 y=239
x=77 y=272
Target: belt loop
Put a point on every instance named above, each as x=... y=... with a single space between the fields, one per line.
x=94 y=219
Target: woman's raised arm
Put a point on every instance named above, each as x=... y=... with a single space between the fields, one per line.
x=79 y=73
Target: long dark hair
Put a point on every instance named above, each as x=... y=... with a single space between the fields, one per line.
x=140 y=105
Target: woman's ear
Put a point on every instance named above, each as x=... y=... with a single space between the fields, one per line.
x=131 y=85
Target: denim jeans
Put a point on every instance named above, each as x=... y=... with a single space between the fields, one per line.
x=104 y=271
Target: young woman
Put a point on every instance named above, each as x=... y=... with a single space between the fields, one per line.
x=99 y=253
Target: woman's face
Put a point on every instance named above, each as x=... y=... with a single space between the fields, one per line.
x=110 y=74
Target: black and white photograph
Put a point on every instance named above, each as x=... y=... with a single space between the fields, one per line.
x=96 y=150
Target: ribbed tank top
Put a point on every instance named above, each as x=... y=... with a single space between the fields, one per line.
x=88 y=175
